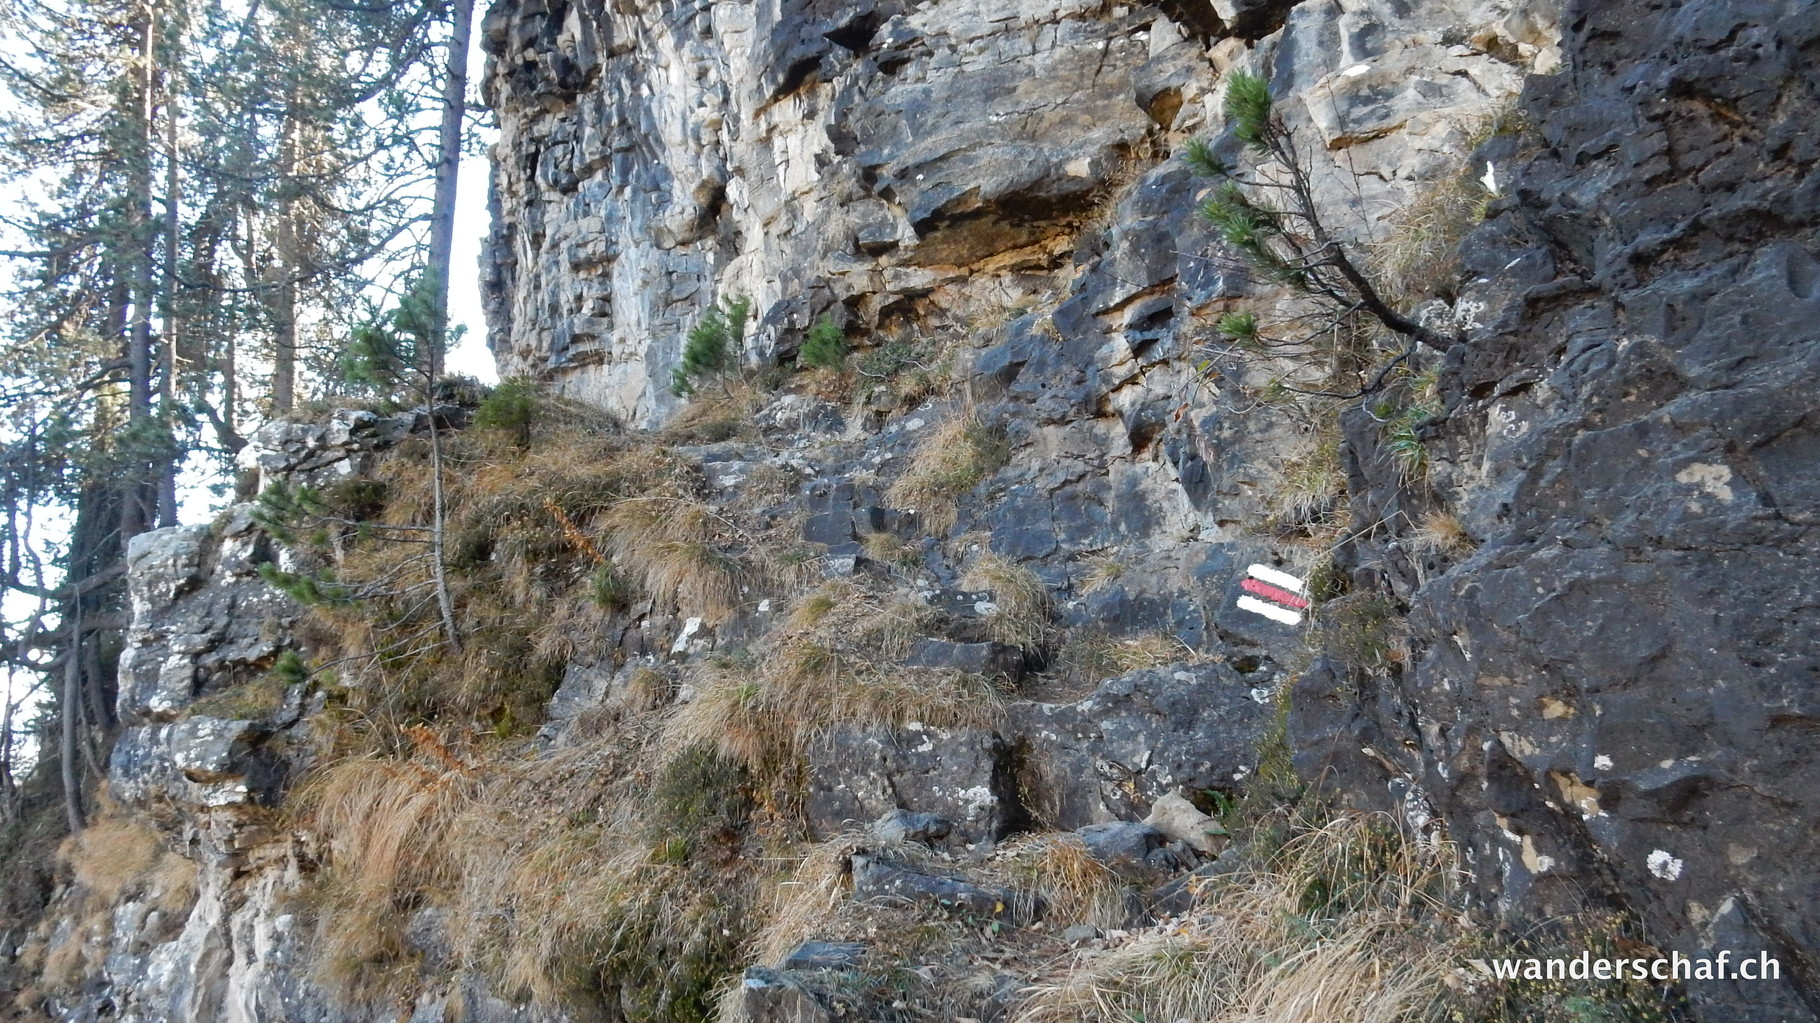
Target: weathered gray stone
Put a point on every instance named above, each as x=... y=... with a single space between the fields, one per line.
x=996 y=659
x=767 y=996
x=1135 y=850
x=1182 y=821
x=1612 y=697
x=857 y=775
x=901 y=826
x=1137 y=738
x=882 y=879
x=825 y=955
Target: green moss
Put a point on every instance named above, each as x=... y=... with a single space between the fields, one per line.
x=698 y=792
x=608 y=589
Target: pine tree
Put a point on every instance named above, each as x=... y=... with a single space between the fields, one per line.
x=211 y=186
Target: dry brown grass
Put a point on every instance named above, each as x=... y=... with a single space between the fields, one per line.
x=802 y=904
x=1346 y=924
x=768 y=718
x=394 y=835
x=891 y=549
x=115 y=860
x=112 y=855
x=952 y=459
x=715 y=414
x=552 y=875
x=1023 y=611
x=1088 y=656
x=1102 y=571
x=1418 y=257
x=1442 y=533
x=1310 y=488
x=677 y=548
x=1074 y=887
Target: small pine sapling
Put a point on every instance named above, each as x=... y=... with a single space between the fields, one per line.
x=1268 y=214
x=825 y=347
x=511 y=409
x=713 y=346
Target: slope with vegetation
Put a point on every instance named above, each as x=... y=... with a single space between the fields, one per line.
x=838 y=621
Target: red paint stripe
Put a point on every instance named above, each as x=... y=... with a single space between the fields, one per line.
x=1272 y=593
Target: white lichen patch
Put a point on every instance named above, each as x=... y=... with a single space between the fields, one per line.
x=1712 y=478
x=1664 y=865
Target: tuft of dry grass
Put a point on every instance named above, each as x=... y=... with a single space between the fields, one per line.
x=112 y=855
x=768 y=718
x=1102 y=571
x=1418 y=257
x=674 y=547
x=717 y=414
x=1345 y=924
x=833 y=662
x=1074 y=887
x=1023 y=610
x=891 y=549
x=394 y=836
x=565 y=877
x=813 y=607
x=115 y=860
x=802 y=904
x=1089 y=656
x=952 y=459
x=1310 y=487
x=1442 y=533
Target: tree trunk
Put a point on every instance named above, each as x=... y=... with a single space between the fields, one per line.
x=139 y=509
x=282 y=300
x=445 y=603
x=167 y=384
x=448 y=166
x=72 y=720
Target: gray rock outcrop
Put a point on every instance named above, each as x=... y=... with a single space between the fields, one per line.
x=1614 y=692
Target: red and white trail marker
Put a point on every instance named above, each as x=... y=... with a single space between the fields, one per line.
x=1278 y=596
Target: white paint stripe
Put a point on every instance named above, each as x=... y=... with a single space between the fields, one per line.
x=1283 y=579
x=1270 y=611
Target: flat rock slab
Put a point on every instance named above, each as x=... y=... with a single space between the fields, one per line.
x=881 y=879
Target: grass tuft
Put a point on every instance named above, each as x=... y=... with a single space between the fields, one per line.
x=1442 y=533
x=952 y=460
x=1343 y=924
x=1023 y=611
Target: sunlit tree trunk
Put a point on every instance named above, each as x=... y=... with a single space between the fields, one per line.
x=448 y=164
x=140 y=498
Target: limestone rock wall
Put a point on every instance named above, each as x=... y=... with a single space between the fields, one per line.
x=897 y=164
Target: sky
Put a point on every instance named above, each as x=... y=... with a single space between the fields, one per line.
x=471 y=225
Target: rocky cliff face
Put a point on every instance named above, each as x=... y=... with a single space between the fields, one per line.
x=1615 y=692
x=1599 y=680
x=903 y=164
